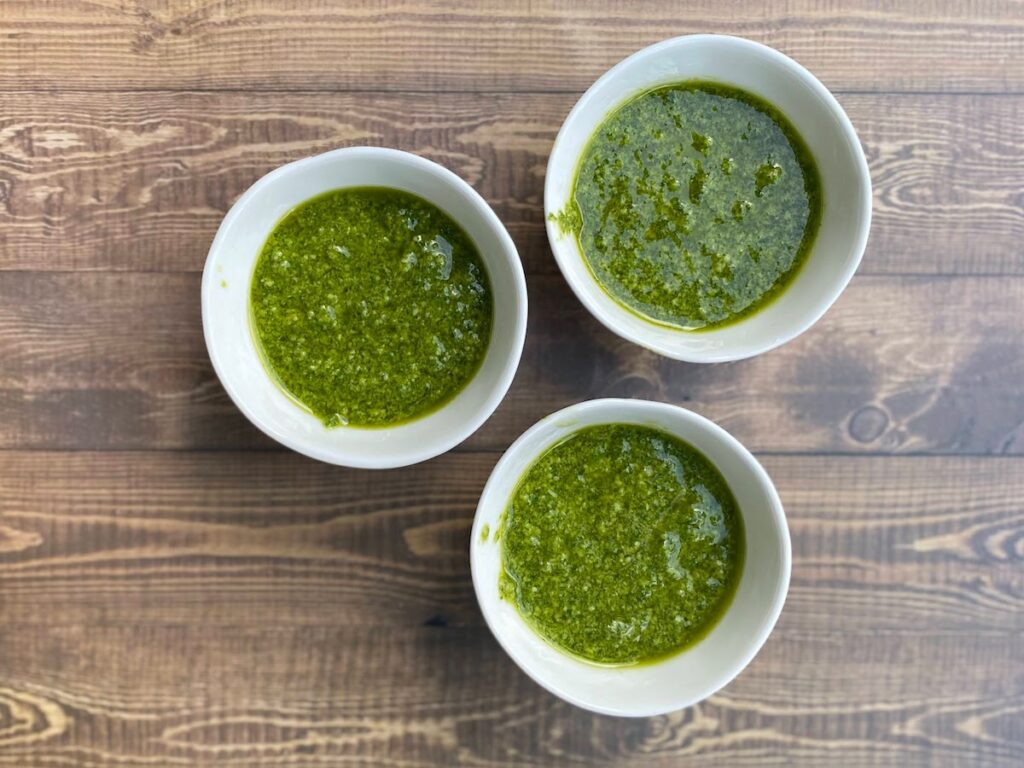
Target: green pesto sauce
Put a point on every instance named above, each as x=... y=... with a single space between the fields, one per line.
x=622 y=544
x=371 y=306
x=695 y=204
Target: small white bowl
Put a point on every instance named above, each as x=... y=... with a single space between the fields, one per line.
x=846 y=190
x=229 y=339
x=701 y=669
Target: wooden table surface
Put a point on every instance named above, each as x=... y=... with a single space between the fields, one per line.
x=177 y=590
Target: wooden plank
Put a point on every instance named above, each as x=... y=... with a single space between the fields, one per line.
x=140 y=181
x=300 y=696
x=176 y=590
x=906 y=545
x=938 y=45
x=919 y=365
x=241 y=609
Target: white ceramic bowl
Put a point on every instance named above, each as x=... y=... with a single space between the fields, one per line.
x=698 y=671
x=846 y=190
x=229 y=339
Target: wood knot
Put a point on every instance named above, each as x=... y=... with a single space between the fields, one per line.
x=14 y=540
x=445 y=538
x=868 y=424
x=26 y=718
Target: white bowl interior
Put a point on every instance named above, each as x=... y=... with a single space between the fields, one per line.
x=846 y=189
x=700 y=670
x=226 y=284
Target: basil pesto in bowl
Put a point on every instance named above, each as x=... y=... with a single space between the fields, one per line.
x=707 y=198
x=695 y=204
x=371 y=306
x=631 y=556
x=622 y=544
x=364 y=307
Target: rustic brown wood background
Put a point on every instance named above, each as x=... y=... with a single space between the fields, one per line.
x=176 y=590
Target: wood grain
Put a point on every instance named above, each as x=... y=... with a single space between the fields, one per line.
x=194 y=696
x=140 y=181
x=924 y=544
x=176 y=590
x=899 y=365
x=166 y=600
x=936 y=45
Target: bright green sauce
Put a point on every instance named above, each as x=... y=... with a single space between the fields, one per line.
x=621 y=544
x=695 y=204
x=371 y=306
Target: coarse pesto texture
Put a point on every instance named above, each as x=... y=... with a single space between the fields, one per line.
x=621 y=544
x=695 y=204
x=371 y=306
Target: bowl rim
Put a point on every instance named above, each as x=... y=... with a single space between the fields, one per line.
x=510 y=365
x=582 y=287
x=643 y=411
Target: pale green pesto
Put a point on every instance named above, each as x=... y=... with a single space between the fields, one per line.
x=371 y=306
x=695 y=204
x=621 y=544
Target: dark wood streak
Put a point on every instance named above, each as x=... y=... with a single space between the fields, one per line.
x=120 y=538
x=140 y=181
x=117 y=361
